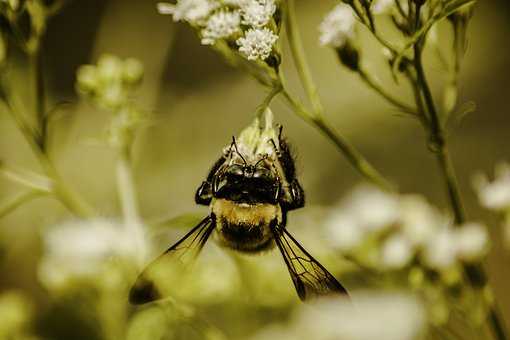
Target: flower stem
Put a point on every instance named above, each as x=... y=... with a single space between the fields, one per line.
x=64 y=194
x=316 y=117
x=19 y=200
x=267 y=101
x=298 y=54
x=40 y=98
x=475 y=274
x=438 y=140
x=353 y=156
x=126 y=187
x=372 y=83
x=129 y=203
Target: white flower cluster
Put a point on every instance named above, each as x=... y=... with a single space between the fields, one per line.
x=388 y=231
x=82 y=249
x=247 y=22
x=338 y=27
x=368 y=315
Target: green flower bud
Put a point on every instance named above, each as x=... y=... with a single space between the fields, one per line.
x=132 y=71
x=87 y=79
x=110 y=68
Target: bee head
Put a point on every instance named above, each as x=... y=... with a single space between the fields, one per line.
x=246 y=182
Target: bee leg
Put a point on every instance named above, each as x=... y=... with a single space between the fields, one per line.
x=297 y=197
x=204 y=193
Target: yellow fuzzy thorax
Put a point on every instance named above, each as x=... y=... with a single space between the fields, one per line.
x=257 y=214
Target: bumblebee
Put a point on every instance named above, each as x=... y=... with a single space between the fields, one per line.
x=250 y=189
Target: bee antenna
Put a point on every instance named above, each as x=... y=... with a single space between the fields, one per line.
x=237 y=150
x=280 y=131
x=262 y=159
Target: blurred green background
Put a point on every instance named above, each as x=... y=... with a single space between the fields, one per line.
x=198 y=102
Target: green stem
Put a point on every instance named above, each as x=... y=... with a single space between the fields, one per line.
x=40 y=98
x=65 y=195
x=267 y=101
x=126 y=187
x=298 y=54
x=19 y=200
x=475 y=274
x=353 y=156
x=129 y=203
x=316 y=118
x=372 y=83
x=437 y=138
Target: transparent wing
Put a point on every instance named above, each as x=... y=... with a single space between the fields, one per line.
x=181 y=253
x=310 y=278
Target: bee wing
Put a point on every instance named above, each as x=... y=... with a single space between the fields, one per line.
x=184 y=251
x=309 y=277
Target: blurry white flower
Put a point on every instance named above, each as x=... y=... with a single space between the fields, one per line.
x=382 y=6
x=343 y=232
x=193 y=11
x=257 y=44
x=495 y=195
x=440 y=251
x=373 y=208
x=211 y=278
x=369 y=316
x=397 y=251
x=472 y=241
x=337 y=27
x=81 y=249
x=419 y=220
x=220 y=25
x=257 y=13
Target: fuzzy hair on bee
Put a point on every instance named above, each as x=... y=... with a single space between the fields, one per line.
x=249 y=191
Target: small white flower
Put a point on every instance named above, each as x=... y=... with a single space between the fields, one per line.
x=81 y=249
x=441 y=250
x=337 y=27
x=396 y=252
x=220 y=25
x=193 y=11
x=419 y=220
x=472 y=241
x=382 y=6
x=495 y=195
x=373 y=209
x=343 y=232
x=257 y=44
x=257 y=13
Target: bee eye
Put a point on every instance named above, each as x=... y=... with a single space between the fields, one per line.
x=236 y=170
x=261 y=172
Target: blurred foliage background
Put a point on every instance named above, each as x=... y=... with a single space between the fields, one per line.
x=198 y=102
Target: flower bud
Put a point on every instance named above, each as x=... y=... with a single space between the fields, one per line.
x=349 y=56
x=87 y=79
x=132 y=72
x=109 y=68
